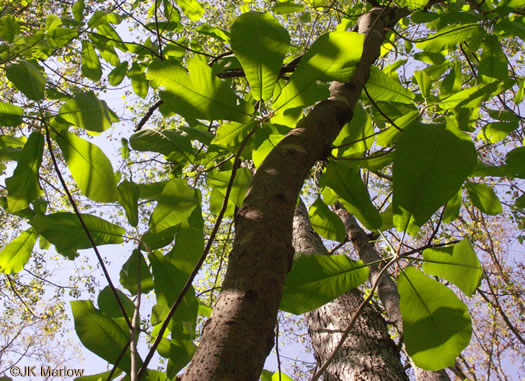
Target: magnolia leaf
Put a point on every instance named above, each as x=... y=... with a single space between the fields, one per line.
x=484 y=198
x=89 y=166
x=90 y=63
x=260 y=44
x=27 y=77
x=382 y=87
x=128 y=197
x=10 y=115
x=177 y=202
x=346 y=182
x=456 y=263
x=88 y=112
x=199 y=94
x=129 y=274
x=436 y=324
x=318 y=279
x=65 y=231
x=23 y=187
x=16 y=253
x=332 y=57
x=101 y=334
x=430 y=165
x=325 y=222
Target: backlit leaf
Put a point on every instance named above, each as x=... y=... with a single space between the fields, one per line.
x=27 y=78
x=16 y=253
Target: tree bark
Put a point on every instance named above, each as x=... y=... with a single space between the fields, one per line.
x=386 y=288
x=368 y=353
x=239 y=334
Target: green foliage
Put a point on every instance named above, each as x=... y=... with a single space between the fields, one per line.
x=436 y=324
x=421 y=136
x=23 y=186
x=260 y=44
x=318 y=279
x=89 y=166
x=430 y=165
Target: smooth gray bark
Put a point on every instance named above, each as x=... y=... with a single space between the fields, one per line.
x=386 y=289
x=368 y=352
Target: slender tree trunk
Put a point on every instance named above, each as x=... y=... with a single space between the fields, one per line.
x=386 y=288
x=368 y=353
x=239 y=334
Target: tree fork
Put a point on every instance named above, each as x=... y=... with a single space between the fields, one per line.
x=239 y=334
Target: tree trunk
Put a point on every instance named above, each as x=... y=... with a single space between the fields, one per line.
x=386 y=288
x=239 y=334
x=368 y=353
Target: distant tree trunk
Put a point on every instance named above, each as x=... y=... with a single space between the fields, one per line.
x=239 y=334
x=368 y=353
x=386 y=289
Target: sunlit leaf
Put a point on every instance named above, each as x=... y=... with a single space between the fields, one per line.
x=436 y=324
x=382 y=87
x=198 y=94
x=90 y=63
x=88 y=112
x=128 y=197
x=100 y=334
x=132 y=271
x=325 y=222
x=484 y=198
x=456 y=263
x=24 y=187
x=318 y=279
x=10 y=115
x=260 y=44
x=332 y=57
x=89 y=166
x=16 y=253
x=27 y=77
x=177 y=202
x=430 y=165
x=65 y=231
x=450 y=37
x=191 y=8
x=346 y=182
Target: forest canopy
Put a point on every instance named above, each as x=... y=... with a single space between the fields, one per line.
x=341 y=173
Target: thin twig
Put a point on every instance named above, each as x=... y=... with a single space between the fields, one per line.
x=84 y=226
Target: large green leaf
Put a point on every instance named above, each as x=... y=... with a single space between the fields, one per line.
x=356 y=136
x=179 y=352
x=382 y=87
x=430 y=165
x=16 y=253
x=230 y=135
x=346 y=182
x=169 y=281
x=108 y=304
x=128 y=197
x=177 y=202
x=89 y=166
x=118 y=74
x=10 y=115
x=162 y=141
x=101 y=334
x=484 y=198
x=332 y=57
x=9 y=28
x=23 y=187
x=129 y=274
x=219 y=180
x=325 y=222
x=260 y=44
x=90 y=63
x=493 y=61
x=88 y=112
x=450 y=37
x=515 y=161
x=199 y=94
x=318 y=279
x=11 y=147
x=65 y=231
x=27 y=77
x=191 y=8
x=472 y=97
x=456 y=263
x=436 y=324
